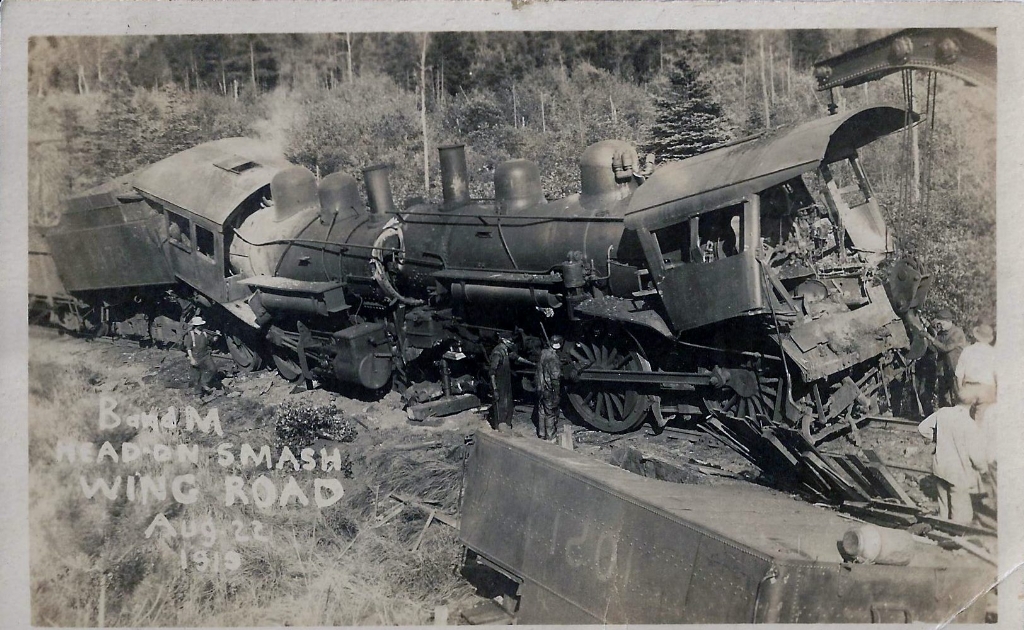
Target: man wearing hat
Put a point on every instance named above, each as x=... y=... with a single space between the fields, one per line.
x=200 y=357
x=549 y=389
x=975 y=371
x=949 y=341
x=500 y=368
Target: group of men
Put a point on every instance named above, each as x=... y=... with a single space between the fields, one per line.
x=963 y=427
x=547 y=380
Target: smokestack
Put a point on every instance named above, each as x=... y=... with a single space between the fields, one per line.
x=293 y=190
x=378 y=189
x=454 y=175
x=339 y=194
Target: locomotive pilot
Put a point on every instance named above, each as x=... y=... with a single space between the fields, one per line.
x=549 y=389
x=204 y=376
x=500 y=368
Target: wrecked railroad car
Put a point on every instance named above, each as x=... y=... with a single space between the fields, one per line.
x=585 y=542
x=738 y=289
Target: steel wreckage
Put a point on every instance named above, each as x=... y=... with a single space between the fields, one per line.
x=737 y=289
x=740 y=291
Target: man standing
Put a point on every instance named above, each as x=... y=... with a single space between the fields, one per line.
x=948 y=341
x=976 y=369
x=959 y=458
x=500 y=367
x=200 y=357
x=549 y=389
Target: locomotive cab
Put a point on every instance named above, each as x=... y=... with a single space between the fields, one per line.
x=708 y=262
x=227 y=180
x=782 y=224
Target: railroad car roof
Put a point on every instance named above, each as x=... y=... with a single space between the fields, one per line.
x=710 y=180
x=212 y=179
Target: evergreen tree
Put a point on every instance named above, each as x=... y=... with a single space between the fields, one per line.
x=689 y=120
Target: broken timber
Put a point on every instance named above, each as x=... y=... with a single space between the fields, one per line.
x=439 y=516
x=445 y=406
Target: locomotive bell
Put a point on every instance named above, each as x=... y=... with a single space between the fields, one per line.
x=517 y=185
x=339 y=194
x=378 y=189
x=454 y=175
x=293 y=190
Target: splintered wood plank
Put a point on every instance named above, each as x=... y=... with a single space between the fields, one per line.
x=850 y=469
x=888 y=478
x=875 y=482
x=850 y=491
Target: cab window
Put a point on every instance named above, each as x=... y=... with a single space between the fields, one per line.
x=705 y=238
x=204 y=241
x=674 y=242
x=178 y=231
x=720 y=234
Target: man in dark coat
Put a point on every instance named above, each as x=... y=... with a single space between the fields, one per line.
x=205 y=377
x=500 y=367
x=949 y=341
x=549 y=389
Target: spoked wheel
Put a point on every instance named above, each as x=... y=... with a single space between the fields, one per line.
x=247 y=359
x=744 y=394
x=286 y=367
x=615 y=408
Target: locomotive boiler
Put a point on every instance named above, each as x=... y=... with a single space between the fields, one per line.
x=737 y=289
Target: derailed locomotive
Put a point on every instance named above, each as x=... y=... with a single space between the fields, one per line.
x=737 y=289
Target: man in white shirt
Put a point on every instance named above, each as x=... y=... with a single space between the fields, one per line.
x=976 y=368
x=987 y=419
x=959 y=459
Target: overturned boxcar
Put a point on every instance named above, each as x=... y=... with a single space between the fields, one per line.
x=583 y=542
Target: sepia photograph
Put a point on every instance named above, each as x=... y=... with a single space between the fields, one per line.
x=495 y=327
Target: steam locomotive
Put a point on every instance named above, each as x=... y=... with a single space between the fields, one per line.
x=737 y=289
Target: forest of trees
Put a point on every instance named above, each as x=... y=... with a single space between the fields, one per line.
x=102 y=107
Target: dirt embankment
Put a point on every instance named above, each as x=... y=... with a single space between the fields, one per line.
x=365 y=559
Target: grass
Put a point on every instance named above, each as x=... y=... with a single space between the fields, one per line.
x=342 y=565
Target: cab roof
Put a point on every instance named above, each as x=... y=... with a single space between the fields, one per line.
x=211 y=180
x=719 y=177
